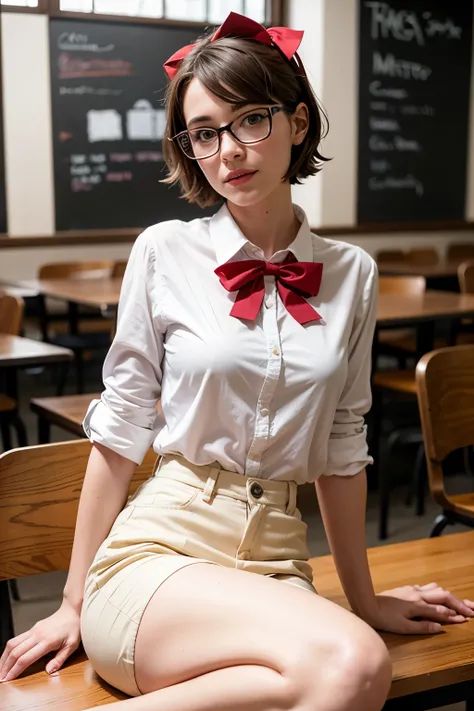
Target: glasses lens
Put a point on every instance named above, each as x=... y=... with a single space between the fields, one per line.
x=253 y=126
x=202 y=143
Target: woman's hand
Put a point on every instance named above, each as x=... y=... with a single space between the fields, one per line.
x=60 y=631
x=418 y=609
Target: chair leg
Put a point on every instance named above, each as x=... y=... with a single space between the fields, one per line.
x=44 y=430
x=420 y=480
x=14 y=589
x=22 y=437
x=6 y=436
x=6 y=619
x=79 y=362
x=440 y=523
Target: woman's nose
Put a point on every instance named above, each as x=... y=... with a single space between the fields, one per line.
x=230 y=147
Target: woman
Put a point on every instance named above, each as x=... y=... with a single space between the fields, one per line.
x=256 y=336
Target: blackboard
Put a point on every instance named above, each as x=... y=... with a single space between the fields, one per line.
x=3 y=201
x=107 y=86
x=414 y=87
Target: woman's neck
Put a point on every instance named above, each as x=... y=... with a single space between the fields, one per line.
x=271 y=224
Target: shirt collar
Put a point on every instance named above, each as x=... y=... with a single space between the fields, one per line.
x=227 y=239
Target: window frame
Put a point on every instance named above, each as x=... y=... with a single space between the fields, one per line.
x=275 y=10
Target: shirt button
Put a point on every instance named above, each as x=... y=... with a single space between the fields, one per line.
x=276 y=350
x=269 y=302
x=264 y=412
x=256 y=490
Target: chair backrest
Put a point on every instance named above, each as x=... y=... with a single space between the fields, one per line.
x=460 y=251
x=39 y=495
x=11 y=314
x=423 y=257
x=387 y=256
x=76 y=270
x=402 y=285
x=445 y=387
x=466 y=277
x=118 y=270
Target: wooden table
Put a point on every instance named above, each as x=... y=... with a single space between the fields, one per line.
x=423 y=312
x=67 y=412
x=17 y=352
x=428 y=671
x=99 y=293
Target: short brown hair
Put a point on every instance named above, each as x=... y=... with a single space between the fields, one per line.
x=240 y=72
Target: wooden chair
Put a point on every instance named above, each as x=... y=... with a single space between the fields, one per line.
x=93 y=330
x=387 y=256
x=39 y=491
x=466 y=277
x=11 y=314
x=426 y=256
x=118 y=270
x=445 y=389
x=459 y=251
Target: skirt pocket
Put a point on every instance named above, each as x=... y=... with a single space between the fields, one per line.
x=163 y=493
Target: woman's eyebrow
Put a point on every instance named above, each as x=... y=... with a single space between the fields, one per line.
x=200 y=119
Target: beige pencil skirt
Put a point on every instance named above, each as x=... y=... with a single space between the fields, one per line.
x=185 y=514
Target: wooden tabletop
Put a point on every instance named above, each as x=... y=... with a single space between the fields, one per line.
x=17 y=351
x=441 y=270
x=420 y=663
x=433 y=305
x=67 y=411
x=100 y=293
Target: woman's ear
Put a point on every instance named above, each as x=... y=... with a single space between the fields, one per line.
x=299 y=124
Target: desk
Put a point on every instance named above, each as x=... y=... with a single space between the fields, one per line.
x=18 y=352
x=441 y=270
x=98 y=293
x=426 y=669
x=67 y=412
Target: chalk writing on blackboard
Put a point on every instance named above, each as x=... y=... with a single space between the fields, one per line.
x=412 y=54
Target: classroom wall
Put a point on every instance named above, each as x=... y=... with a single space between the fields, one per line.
x=329 y=51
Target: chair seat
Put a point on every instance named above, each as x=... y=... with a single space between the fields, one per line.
x=7 y=404
x=464 y=502
x=402 y=381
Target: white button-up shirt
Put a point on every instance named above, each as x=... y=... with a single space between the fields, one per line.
x=268 y=398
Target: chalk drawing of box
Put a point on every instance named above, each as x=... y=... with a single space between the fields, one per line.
x=144 y=123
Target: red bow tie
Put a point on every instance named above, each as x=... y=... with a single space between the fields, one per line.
x=294 y=279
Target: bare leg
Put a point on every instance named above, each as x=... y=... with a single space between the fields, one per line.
x=216 y=638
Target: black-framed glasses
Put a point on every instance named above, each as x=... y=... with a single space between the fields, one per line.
x=251 y=127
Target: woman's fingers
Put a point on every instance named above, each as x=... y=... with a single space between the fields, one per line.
x=437 y=613
x=26 y=658
x=61 y=657
x=421 y=627
x=429 y=586
x=440 y=596
x=10 y=645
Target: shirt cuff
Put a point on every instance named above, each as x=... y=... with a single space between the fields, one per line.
x=348 y=454
x=104 y=426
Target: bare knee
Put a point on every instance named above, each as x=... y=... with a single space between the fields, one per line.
x=351 y=671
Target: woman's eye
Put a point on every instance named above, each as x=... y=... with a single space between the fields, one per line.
x=204 y=136
x=252 y=119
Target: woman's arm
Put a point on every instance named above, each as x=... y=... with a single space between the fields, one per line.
x=342 y=500
x=103 y=496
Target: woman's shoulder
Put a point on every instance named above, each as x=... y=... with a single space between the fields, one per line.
x=168 y=233
x=344 y=256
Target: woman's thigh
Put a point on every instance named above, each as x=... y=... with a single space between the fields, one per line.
x=208 y=617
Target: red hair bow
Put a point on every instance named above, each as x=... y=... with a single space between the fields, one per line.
x=236 y=25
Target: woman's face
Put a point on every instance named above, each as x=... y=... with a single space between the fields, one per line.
x=266 y=162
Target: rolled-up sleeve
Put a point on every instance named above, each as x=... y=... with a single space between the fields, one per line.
x=124 y=418
x=347 y=450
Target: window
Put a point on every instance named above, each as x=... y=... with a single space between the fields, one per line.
x=213 y=11
x=20 y=3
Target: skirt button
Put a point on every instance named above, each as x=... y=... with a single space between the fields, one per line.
x=256 y=490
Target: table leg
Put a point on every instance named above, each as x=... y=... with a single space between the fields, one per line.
x=425 y=338
x=44 y=430
x=6 y=619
